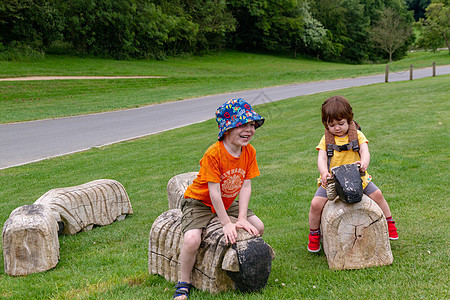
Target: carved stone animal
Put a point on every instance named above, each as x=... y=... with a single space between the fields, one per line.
x=219 y=267
x=30 y=235
x=99 y=202
x=354 y=235
x=176 y=187
x=30 y=240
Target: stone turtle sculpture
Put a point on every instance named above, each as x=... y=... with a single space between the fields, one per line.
x=219 y=267
x=354 y=235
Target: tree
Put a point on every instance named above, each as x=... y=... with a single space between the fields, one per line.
x=390 y=32
x=435 y=29
x=419 y=7
x=32 y=22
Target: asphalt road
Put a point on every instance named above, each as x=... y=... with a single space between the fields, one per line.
x=26 y=142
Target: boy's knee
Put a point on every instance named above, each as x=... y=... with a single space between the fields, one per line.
x=259 y=225
x=260 y=228
x=192 y=240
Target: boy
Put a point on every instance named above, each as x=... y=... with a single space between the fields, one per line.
x=226 y=170
x=337 y=117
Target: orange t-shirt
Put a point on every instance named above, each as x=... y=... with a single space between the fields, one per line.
x=217 y=165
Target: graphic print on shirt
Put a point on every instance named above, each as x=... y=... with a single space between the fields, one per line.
x=232 y=182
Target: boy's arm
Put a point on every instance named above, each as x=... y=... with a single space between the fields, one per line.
x=244 y=199
x=365 y=157
x=229 y=228
x=322 y=165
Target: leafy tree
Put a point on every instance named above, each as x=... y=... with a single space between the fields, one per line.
x=419 y=7
x=390 y=32
x=269 y=25
x=34 y=22
x=209 y=22
x=435 y=29
x=298 y=30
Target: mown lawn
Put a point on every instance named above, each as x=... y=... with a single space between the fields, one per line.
x=183 y=78
x=407 y=125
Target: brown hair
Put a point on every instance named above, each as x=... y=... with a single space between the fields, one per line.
x=336 y=108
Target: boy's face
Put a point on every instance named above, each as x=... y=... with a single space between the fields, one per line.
x=240 y=136
x=338 y=127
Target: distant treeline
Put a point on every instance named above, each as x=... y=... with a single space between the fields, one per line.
x=121 y=29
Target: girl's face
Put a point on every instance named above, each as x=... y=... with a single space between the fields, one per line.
x=240 y=136
x=338 y=127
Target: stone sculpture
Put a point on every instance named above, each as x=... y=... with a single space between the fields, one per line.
x=99 y=202
x=30 y=235
x=176 y=187
x=30 y=240
x=218 y=265
x=354 y=235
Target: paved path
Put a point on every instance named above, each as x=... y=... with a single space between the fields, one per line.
x=22 y=143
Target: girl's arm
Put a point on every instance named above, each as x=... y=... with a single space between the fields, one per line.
x=244 y=199
x=322 y=165
x=365 y=157
x=229 y=228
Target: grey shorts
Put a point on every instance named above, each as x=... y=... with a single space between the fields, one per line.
x=370 y=188
x=197 y=215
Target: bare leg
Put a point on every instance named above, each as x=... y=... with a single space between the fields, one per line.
x=255 y=221
x=378 y=197
x=191 y=242
x=315 y=211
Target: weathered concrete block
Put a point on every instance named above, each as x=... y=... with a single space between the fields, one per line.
x=30 y=240
x=98 y=202
x=176 y=187
x=355 y=235
x=214 y=257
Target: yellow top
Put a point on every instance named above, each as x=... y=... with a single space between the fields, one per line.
x=345 y=157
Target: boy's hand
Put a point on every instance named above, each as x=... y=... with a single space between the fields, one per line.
x=230 y=232
x=247 y=226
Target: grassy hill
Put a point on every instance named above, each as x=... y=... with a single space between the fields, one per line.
x=407 y=125
x=181 y=78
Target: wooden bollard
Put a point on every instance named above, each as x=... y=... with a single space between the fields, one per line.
x=30 y=240
x=386 y=74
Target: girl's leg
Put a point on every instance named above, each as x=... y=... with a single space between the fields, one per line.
x=315 y=211
x=378 y=197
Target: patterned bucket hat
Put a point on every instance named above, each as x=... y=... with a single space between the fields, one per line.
x=234 y=113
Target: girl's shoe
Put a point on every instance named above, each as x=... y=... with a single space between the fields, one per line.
x=314 y=242
x=393 y=235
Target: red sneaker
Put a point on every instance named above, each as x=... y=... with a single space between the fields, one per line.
x=393 y=235
x=314 y=242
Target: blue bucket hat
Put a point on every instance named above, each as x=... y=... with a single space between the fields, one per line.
x=234 y=113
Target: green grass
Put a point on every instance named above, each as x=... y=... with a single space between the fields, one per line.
x=407 y=125
x=183 y=78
